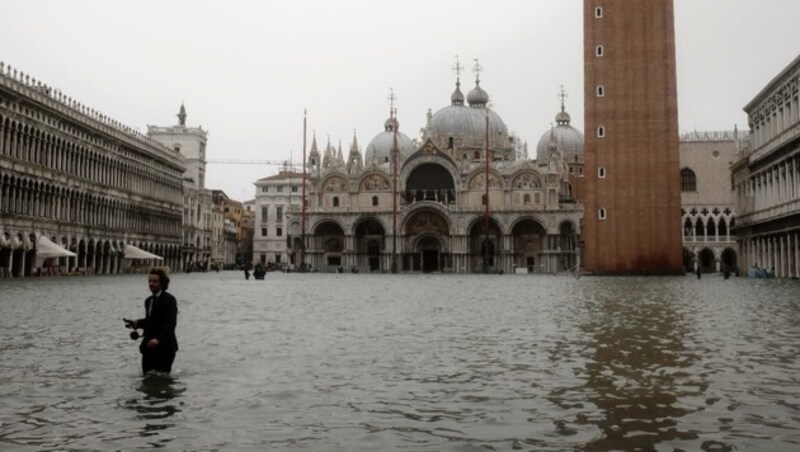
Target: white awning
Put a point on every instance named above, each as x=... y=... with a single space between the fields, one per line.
x=45 y=249
x=132 y=252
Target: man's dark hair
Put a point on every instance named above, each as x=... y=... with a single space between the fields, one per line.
x=162 y=277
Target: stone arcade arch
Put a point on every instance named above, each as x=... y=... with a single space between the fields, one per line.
x=17 y=256
x=370 y=239
x=427 y=236
x=30 y=254
x=328 y=245
x=485 y=246
x=706 y=260
x=527 y=241
x=729 y=260
x=81 y=253
x=106 y=263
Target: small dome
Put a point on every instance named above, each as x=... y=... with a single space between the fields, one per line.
x=380 y=148
x=477 y=97
x=563 y=118
x=568 y=139
x=457 y=98
x=391 y=124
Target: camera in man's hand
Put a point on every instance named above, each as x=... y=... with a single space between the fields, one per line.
x=132 y=325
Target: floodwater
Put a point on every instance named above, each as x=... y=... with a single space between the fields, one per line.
x=406 y=362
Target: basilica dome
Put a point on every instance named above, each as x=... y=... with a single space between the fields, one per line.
x=568 y=139
x=463 y=128
x=380 y=148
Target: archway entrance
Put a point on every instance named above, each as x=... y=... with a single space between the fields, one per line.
x=527 y=241
x=484 y=245
x=729 y=260
x=707 y=261
x=428 y=251
x=329 y=239
x=427 y=232
x=369 y=239
x=17 y=256
x=297 y=251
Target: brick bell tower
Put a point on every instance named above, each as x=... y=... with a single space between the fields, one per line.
x=632 y=222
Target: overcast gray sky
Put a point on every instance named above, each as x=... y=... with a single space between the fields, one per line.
x=247 y=69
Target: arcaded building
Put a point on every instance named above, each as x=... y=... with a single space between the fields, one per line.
x=468 y=200
x=632 y=195
x=708 y=208
x=83 y=181
x=766 y=179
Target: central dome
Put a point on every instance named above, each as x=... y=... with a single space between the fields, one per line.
x=459 y=128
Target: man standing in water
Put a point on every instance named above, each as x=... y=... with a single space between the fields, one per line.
x=159 y=343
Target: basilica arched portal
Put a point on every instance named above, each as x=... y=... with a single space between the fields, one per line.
x=527 y=238
x=328 y=245
x=427 y=234
x=485 y=245
x=369 y=237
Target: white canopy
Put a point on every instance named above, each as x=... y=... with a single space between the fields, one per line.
x=45 y=249
x=132 y=252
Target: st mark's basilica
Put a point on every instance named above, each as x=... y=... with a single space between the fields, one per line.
x=442 y=221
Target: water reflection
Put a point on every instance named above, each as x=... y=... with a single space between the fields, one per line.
x=157 y=403
x=636 y=373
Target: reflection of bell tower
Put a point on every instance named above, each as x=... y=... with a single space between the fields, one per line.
x=632 y=221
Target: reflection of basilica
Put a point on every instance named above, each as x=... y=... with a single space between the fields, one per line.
x=442 y=222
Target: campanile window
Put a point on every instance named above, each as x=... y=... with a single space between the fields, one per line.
x=601 y=214
x=601 y=132
x=601 y=91
x=599 y=51
x=598 y=12
x=601 y=172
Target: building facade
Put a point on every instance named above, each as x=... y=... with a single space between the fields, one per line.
x=707 y=200
x=225 y=230
x=465 y=202
x=244 y=254
x=276 y=229
x=632 y=193
x=82 y=180
x=766 y=179
x=190 y=144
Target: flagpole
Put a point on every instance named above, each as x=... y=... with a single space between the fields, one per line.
x=486 y=207
x=394 y=191
x=303 y=201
